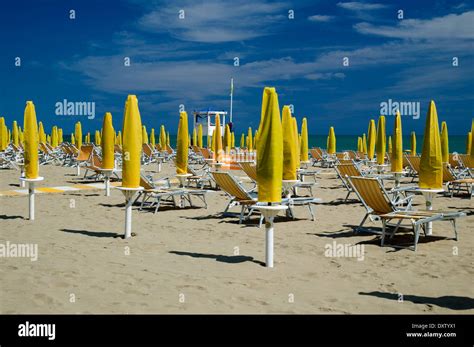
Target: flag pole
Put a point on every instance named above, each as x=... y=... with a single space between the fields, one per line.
x=231 y=97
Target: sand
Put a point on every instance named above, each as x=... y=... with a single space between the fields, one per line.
x=191 y=260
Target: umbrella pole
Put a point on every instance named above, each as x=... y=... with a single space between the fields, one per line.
x=31 y=195
x=129 y=194
x=269 y=212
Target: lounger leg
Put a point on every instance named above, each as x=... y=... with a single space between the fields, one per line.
x=157 y=205
x=455 y=229
x=384 y=228
x=396 y=228
x=261 y=221
x=311 y=212
x=242 y=210
x=417 y=234
x=362 y=223
x=347 y=196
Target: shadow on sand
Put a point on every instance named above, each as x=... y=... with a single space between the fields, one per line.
x=92 y=233
x=452 y=302
x=234 y=259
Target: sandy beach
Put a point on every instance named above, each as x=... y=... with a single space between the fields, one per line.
x=192 y=260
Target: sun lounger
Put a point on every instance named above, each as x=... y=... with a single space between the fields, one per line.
x=457 y=183
x=380 y=206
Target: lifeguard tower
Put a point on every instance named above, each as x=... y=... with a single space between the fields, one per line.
x=208 y=121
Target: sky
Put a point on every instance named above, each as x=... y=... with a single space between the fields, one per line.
x=298 y=47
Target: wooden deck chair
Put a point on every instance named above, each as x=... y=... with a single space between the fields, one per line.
x=378 y=204
x=344 y=171
x=148 y=155
x=466 y=161
x=200 y=178
x=454 y=182
x=84 y=154
x=250 y=170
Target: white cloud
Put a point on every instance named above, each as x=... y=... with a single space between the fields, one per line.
x=320 y=18
x=451 y=26
x=215 y=21
x=360 y=6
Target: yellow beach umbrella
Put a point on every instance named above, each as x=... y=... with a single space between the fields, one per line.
x=255 y=139
x=472 y=140
x=381 y=144
x=468 y=143
x=249 y=140
x=48 y=139
x=359 y=144
x=97 y=138
x=217 y=137
x=390 y=145
x=42 y=134
x=60 y=135
x=364 y=144
x=108 y=140
x=132 y=144
x=144 y=135
x=228 y=139
x=331 y=145
x=413 y=143
x=289 y=146
x=396 y=161
x=270 y=149
x=54 y=137
x=232 y=140
x=431 y=166
x=3 y=135
x=73 y=139
x=444 y=143
x=371 y=140
x=21 y=136
x=297 y=142
x=162 y=137
x=152 y=137
x=168 y=138
x=199 y=136
x=78 y=135
x=31 y=141
x=194 y=137
x=182 y=145
x=15 y=137
x=304 y=141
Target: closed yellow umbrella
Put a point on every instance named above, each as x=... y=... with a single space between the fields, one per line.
x=396 y=161
x=431 y=167
x=232 y=140
x=270 y=150
x=168 y=138
x=413 y=143
x=217 y=137
x=390 y=145
x=48 y=139
x=182 y=145
x=209 y=141
x=162 y=137
x=20 y=135
x=255 y=138
x=194 y=137
x=289 y=146
x=60 y=135
x=297 y=142
x=213 y=143
x=359 y=144
x=304 y=141
x=132 y=144
x=468 y=143
x=73 y=139
x=97 y=138
x=444 y=143
x=242 y=141
x=152 y=137
x=42 y=134
x=31 y=141
x=371 y=140
x=3 y=135
x=78 y=135
x=472 y=140
x=381 y=144
x=364 y=144
x=15 y=137
x=331 y=145
x=54 y=137
x=108 y=139
x=120 y=138
x=249 y=140
x=144 y=135
x=199 y=136
x=228 y=139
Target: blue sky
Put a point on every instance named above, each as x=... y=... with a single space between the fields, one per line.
x=190 y=61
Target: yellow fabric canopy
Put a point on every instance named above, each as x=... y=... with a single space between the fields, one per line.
x=290 y=146
x=31 y=141
x=431 y=166
x=132 y=143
